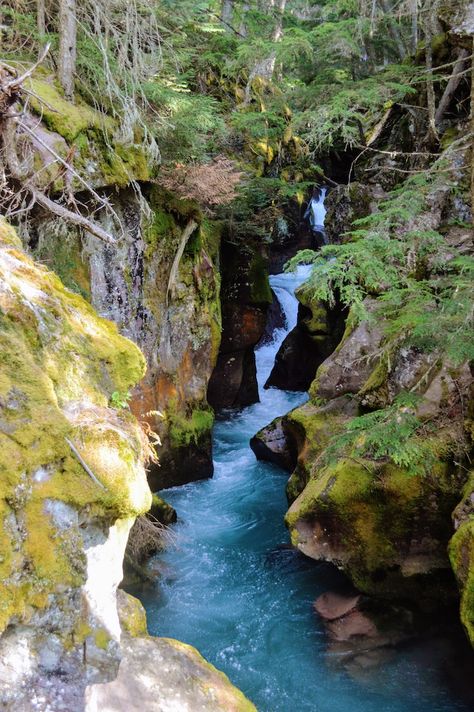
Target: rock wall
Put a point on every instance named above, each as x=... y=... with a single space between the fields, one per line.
x=246 y=297
x=399 y=532
x=179 y=331
x=388 y=526
x=318 y=331
x=73 y=481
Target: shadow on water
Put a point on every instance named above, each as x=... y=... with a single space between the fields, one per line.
x=232 y=586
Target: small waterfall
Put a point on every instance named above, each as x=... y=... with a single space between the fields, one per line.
x=284 y=286
x=316 y=213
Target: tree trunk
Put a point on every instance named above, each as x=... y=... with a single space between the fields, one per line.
x=243 y=25
x=67 y=45
x=451 y=86
x=430 y=95
x=393 y=29
x=227 y=12
x=41 y=16
x=472 y=131
x=414 y=25
x=266 y=67
x=278 y=31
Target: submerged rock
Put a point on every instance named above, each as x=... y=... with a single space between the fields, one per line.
x=362 y=633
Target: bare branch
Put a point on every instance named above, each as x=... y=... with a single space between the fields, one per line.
x=18 y=81
x=83 y=463
x=70 y=216
x=187 y=232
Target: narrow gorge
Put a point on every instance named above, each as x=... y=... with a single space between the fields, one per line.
x=236 y=356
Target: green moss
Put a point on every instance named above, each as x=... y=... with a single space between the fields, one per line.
x=59 y=363
x=161 y=229
x=64 y=257
x=162 y=511
x=101 y=638
x=64 y=117
x=8 y=235
x=461 y=554
x=260 y=291
x=184 y=431
x=317 y=323
x=132 y=615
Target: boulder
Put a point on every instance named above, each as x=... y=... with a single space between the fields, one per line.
x=347 y=369
x=461 y=554
x=318 y=330
x=189 y=685
x=270 y=444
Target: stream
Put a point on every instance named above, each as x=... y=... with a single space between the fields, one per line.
x=232 y=587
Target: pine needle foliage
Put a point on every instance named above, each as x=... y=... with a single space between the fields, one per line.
x=392 y=434
x=423 y=300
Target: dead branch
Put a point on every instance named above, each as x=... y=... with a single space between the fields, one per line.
x=83 y=463
x=451 y=86
x=187 y=232
x=15 y=84
x=70 y=216
x=69 y=168
x=10 y=124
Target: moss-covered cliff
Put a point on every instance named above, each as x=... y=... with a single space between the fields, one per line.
x=72 y=482
x=179 y=333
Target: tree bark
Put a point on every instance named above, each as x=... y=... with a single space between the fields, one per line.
x=243 y=25
x=41 y=16
x=393 y=29
x=430 y=95
x=67 y=45
x=227 y=12
x=414 y=25
x=278 y=31
x=472 y=131
x=451 y=86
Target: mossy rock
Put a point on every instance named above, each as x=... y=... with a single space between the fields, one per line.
x=260 y=291
x=132 y=615
x=162 y=511
x=309 y=428
x=89 y=137
x=388 y=529
x=189 y=429
x=461 y=554
x=60 y=363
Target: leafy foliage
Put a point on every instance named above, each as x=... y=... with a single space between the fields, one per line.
x=120 y=399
